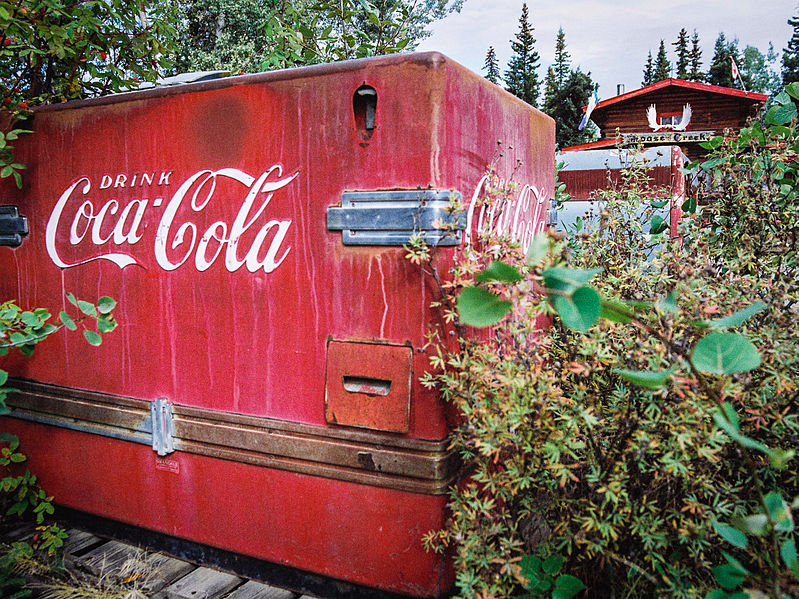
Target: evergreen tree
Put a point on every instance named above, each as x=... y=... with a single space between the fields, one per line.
x=662 y=65
x=695 y=58
x=758 y=70
x=720 y=71
x=521 y=77
x=565 y=106
x=683 y=55
x=649 y=70
x=491 y=66
x=551 y=88
x=790 y=55
x=561 y=66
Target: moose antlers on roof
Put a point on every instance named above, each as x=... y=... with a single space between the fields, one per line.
x=652 y=117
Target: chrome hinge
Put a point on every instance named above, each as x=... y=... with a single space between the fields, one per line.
x=393 y=217
x=163 y=427
x=13 y=227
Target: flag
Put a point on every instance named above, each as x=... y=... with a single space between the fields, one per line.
x=735 y=73
x=592 y=102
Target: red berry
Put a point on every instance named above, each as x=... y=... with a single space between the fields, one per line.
x=23 y=104
x=103 y=56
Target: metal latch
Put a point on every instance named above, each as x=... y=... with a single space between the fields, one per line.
x=163 y=427
x=13 y=227
x=393 y=217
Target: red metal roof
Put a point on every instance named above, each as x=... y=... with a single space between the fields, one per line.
x=602 y=143
x=695 y=85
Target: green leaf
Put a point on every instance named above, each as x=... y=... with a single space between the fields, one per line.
x=709 y=165
x=725 y=353
x=788 y=553
x=12 y=440
x=756 y=524
x=712 y=143
x=531 y=570
x=71 y=299
x=779 y=457
x=553 y=564
x=3 y=377
x=566 y=587
x=87 y=308
x=67 y=320
x=499 y=271
x=645 y=378
x=782 y=98
x=615 y=312
x=479 y=307
x=579 y=310
x=567 y=279
x=728 y=576
x=106 y=325
x=732 y=535
x=738 y=317
x=668 y=303
x=29 y=319
x=780 y=115
x=793 y=90
x=719 y=594
x=531 y=564
x=657 y=225
x=105 y=304
x=727 y=420
x=658 y=204
x=778 y=512
x=92 y=337
x=539 y=246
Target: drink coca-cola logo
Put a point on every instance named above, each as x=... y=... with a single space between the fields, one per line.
x=104 y=225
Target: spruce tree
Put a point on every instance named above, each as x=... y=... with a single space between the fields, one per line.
x=565 y=106
x=790 y=55
x=521 y=77
x=649 y=70
x=491 y=66
x=551 y=89
x=662 y=65
x=561 y=66
x=720 y=71
x=695 y=58
x=681 y=48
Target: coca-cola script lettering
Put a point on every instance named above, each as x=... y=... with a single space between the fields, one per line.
x=519 y=218
x=178 y=239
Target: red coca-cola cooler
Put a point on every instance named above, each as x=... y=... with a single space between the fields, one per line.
x=261 y=394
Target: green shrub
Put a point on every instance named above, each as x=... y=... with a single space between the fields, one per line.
x=647 y=435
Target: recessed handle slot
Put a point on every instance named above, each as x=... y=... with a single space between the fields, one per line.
x=364 y=107
x=359 y=384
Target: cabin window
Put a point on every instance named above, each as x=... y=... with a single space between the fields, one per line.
x=669 y=118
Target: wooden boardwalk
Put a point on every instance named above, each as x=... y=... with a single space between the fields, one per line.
x=155 y=575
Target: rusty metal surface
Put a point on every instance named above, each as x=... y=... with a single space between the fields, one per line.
x=372 y=458
x=368 y=385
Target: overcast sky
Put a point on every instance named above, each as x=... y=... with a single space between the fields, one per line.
x=608 y=38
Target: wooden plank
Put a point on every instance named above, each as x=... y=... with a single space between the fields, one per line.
x=258 y=590
x=106 y=558
x=23 y=532
x=203 y=583
x=164 y=570
x=79 y=540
